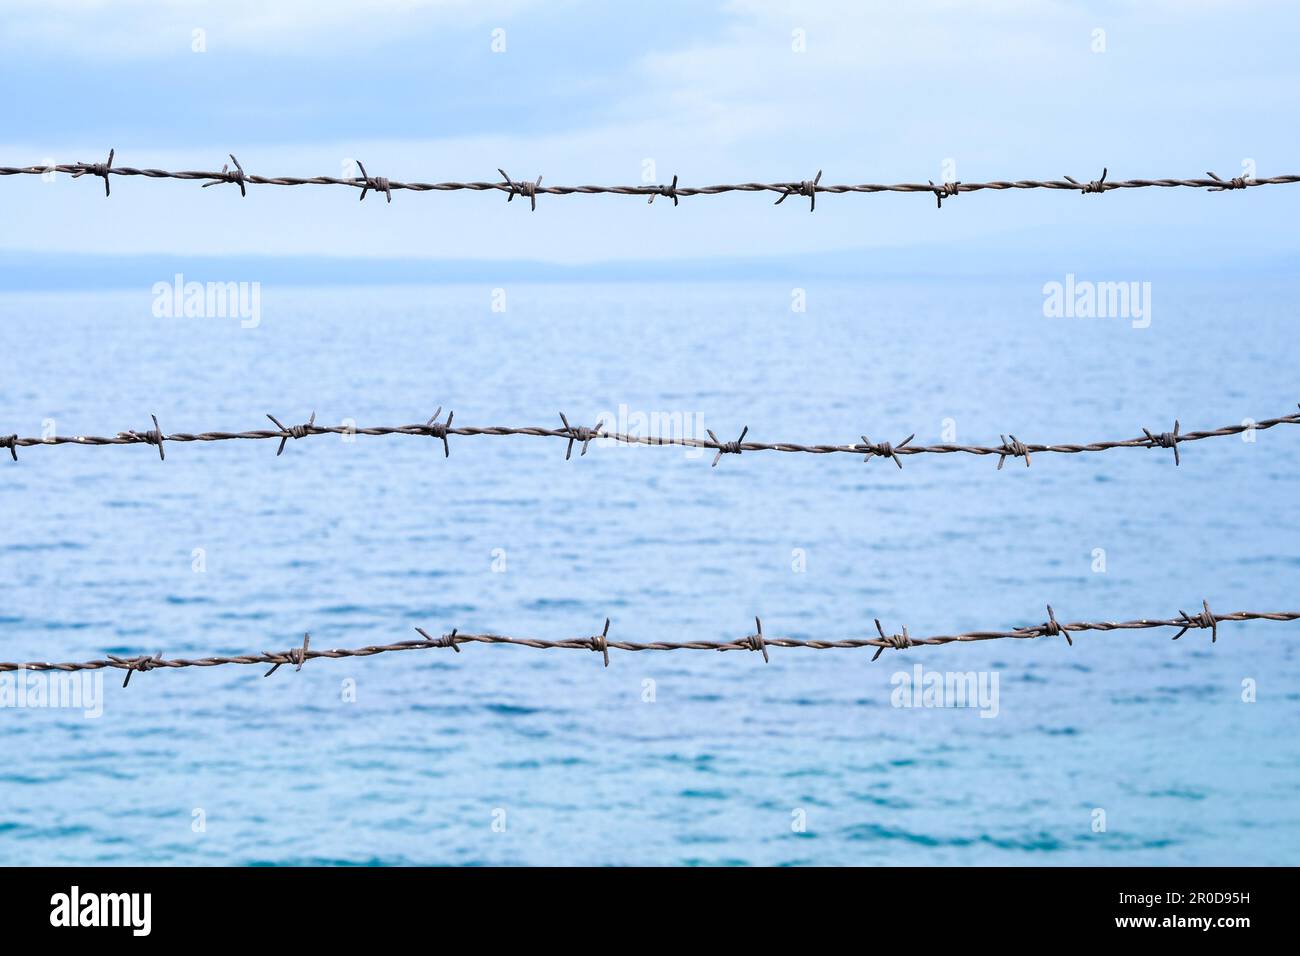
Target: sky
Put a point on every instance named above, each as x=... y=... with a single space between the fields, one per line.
x=591 y=92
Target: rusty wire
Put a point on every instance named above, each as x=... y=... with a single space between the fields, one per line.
x=1010 y=447
x=602 y=644
x=531 y=189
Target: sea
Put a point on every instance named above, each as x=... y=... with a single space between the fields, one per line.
x=1125 y=748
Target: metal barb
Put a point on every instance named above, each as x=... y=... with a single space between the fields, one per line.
x=97 y=169
x=756 y=641
x=153 y=436
x=132 y=664
x=229 y=175
x=899 y=641
x=884 y=449
x=726 y=447
x=1165 y=440
x=378 y=183
x=521 y=188
x=296 y=432
x=1236 y=182
x=1052 y=629
x=1014 y=449
x=1205 y=618
x=439 y=429
x=669 y=191
x=600 y=642
x=297 y=657
x=447 y=640
x=806 y=188
x=1096 y=186
x=943 y=191
x=580 y=433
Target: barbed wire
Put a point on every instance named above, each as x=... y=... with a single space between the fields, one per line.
x=531 y=189
x=602 y=644
x=1010 y=447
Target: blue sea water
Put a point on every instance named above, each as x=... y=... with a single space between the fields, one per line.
x=359 y=542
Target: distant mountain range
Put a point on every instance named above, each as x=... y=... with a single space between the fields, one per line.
x=1126 y=254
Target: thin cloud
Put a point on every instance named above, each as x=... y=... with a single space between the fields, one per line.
x=135 y=29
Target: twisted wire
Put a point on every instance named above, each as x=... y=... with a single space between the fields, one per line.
x=583 y=435
x=602 y=644
x=531 y=189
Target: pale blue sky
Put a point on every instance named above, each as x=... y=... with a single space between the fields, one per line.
x=585 y=92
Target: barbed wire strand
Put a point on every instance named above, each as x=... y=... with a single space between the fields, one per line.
x=1010 y=447
x=531 y=189
x=602 y=644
